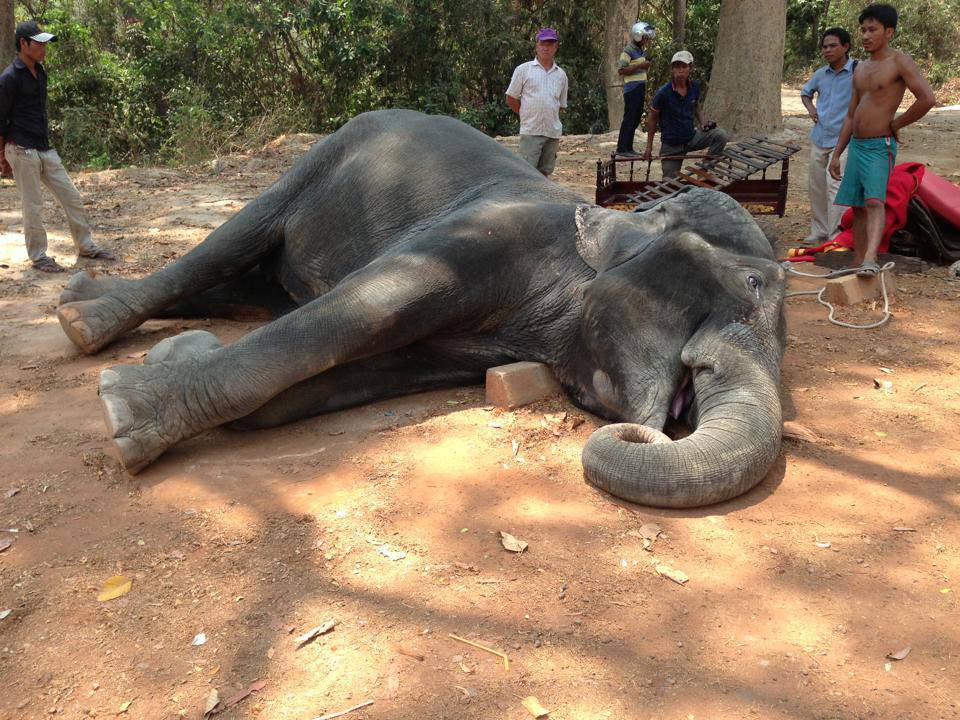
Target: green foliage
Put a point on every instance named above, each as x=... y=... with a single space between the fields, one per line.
x=181 y=80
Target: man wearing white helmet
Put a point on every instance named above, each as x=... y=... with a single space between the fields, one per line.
x=632 y=67
x=675 y=107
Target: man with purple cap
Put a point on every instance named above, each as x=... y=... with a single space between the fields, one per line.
x=27 y=154
x=537 y=93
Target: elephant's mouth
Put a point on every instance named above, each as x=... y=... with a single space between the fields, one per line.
x=683 y=397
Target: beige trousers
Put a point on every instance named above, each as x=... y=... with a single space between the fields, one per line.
x=824 y=215
x=32 y=167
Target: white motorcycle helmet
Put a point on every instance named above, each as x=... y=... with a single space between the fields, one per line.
x=641 y=30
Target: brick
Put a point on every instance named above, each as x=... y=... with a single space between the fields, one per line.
x=521 y=383
x=850 y=289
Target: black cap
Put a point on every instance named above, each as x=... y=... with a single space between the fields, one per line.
x=30 y=29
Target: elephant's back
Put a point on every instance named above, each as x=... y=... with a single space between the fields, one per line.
x=388 y=174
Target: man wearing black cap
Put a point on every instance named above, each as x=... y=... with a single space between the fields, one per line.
x=27 y=155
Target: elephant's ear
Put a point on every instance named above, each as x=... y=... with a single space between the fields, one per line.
x=606 y=238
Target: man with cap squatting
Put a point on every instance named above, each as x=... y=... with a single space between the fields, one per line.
x=632 y=67
x=832 y=84
x=25 y=139
x=537 y=93
x=674 y=108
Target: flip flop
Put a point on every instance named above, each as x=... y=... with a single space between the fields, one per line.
x=868 y=269
x=48 y=265
x=100 y=254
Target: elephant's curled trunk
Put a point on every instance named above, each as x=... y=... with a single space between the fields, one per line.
x=736 y=440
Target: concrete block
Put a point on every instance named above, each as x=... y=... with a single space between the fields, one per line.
x=850 y=289
x=517 y=384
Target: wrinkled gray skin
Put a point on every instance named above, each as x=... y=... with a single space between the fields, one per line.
x=406 y=252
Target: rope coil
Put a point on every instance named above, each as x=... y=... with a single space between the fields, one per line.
x=788 y=266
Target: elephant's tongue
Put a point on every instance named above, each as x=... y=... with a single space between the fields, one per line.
x=683 y=397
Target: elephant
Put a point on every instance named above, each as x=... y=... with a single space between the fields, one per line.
x=407 y=252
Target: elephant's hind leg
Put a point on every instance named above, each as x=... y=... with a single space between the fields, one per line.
x=228 y=253
x=250 y=297
x=357 y=383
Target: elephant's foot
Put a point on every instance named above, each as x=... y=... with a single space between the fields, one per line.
x=93 y=324
x=190 y=344
x=89 y=285
x=146 y=410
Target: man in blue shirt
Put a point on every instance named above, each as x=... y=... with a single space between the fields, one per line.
x=674 y=108
x=832 y=84
x=26 y=154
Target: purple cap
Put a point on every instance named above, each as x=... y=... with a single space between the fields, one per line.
x=547 y=34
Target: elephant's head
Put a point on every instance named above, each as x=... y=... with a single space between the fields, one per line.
x=684 y=317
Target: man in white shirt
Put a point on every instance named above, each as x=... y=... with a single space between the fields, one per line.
x=537 y=93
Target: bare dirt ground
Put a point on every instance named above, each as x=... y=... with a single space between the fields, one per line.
x=386 y=520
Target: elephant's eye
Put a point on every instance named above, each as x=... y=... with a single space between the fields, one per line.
x=754 y=281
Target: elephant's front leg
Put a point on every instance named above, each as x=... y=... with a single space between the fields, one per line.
x=196 y=386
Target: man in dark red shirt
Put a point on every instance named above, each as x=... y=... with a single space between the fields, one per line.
x=28 y=156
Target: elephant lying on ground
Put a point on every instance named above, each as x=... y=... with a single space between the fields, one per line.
x=406 y=253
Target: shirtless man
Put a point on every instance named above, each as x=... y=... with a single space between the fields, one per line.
x=878 y=87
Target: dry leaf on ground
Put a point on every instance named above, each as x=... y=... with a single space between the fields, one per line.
x=5 y=543
x=255 y=686
x=796 y=431
x=511 y=543
x=124 y=707
x=534 y=707
x=649 y=532
x=313 y=633
x=900 y=654
x=213 y=699
x=115 y=587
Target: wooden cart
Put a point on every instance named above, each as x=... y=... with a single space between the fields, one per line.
x=620 y=185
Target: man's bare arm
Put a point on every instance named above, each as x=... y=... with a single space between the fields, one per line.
x=811 y=108
x=653 y=119
x=845 y=132
x=514 y=103
x=698 y=115
x=917 y=84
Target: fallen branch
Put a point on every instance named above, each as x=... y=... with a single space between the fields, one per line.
x=506 y=660
x=341 y=713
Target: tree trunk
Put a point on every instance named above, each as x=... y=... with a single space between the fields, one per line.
x=620 y=15
x=679 y=23
x=7 y=50
x=744 y=92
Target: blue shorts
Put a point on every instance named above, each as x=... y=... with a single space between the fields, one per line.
x=869 y=162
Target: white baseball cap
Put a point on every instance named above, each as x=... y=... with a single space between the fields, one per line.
x=682 y=56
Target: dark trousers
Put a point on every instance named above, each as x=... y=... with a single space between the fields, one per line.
x=632 y=110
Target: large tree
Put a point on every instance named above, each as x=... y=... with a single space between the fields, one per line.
x=744 y=92
x=6 y=32
x=619 y=16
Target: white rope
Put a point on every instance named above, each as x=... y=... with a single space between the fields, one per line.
x=788 y=266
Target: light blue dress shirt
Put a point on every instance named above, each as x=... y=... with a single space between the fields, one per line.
x=833 y=90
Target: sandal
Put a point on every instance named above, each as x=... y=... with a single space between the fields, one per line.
x=48 y=265
x=868 y=269
x=100 y=254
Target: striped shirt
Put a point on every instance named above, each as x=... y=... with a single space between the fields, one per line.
x=542 y=93
x=631 y=57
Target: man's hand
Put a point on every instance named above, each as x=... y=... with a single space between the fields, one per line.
x=5 y=169
x=834 y=168
x=895 y=131
x=815 y=116
x=647 y=154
